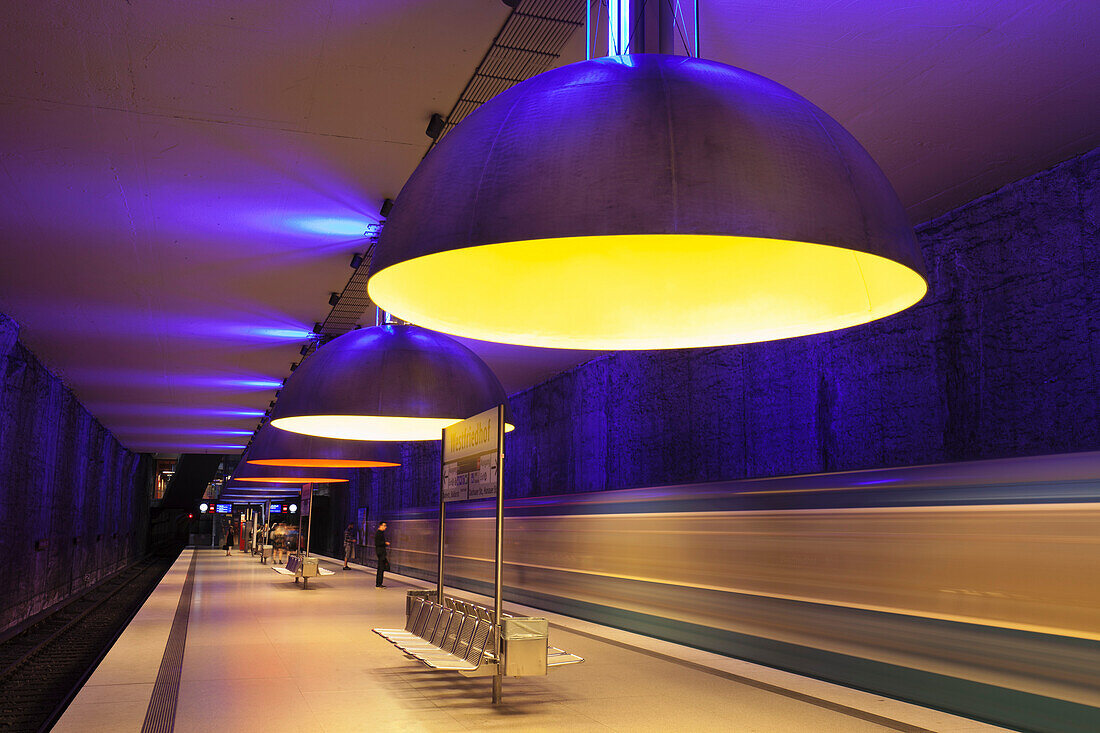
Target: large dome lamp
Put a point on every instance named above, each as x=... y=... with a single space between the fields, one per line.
x=646 y=201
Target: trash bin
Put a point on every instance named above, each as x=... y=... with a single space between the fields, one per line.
x=429 y=595
x=525 y=641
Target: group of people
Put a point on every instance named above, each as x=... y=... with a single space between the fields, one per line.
x=282 y=537
x=380 y=545
x=279 y=536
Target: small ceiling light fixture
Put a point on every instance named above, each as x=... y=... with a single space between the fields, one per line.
x=646 y=201
x=356 y=260
x=388 y=382
x=435 y=126
x=387 y=207
x=333 y=298
x=274 y=447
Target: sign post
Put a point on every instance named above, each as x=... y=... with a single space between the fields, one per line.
x=473 y=468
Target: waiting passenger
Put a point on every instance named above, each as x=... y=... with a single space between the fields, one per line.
x=349 y=544
x=380 y=546
x=278 y=540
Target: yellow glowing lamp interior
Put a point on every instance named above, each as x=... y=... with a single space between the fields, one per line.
x=369 y=427
x=322 y=463
x=293 y=480
x=659 y=291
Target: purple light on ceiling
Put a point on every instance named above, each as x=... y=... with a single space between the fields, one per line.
x=170 y=430
x=137 y=379
x=186 y=447
x=334 y=226
x=261 y=333
x=113 y=408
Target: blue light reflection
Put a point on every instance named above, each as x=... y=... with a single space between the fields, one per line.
x=335 y=226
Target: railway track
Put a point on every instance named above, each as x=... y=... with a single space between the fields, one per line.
x=43 y=667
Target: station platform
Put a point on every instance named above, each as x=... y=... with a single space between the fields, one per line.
x=225 y=643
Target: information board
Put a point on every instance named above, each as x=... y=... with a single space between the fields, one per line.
x=224 y=508
x=276 y=508
x=471 y=458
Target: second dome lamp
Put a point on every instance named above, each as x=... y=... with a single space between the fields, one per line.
x=391 y=382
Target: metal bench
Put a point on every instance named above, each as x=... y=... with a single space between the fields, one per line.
x=461 y=637
x=304 y=568
x=555 y=656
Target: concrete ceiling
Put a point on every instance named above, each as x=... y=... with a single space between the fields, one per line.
x=183 y=184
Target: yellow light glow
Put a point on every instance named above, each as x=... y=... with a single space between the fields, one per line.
x=645 y=291
x=292 y=480
x=322 y=463
x=369 y=427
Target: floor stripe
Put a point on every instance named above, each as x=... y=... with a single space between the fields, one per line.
x=161 y=715
x=749 y=681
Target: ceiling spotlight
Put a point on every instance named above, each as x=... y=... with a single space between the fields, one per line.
x=356 y=260
x=435 y=126
x=293 y=365
x=304 y=350
x=387 y=207
x=333 y=298
x=317 y=327
x=372 y=230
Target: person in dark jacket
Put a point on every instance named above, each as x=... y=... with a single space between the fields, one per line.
x=380 y=546
x=349 y=544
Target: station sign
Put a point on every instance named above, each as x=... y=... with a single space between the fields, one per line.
x=276 y=508
x=224 y=508
x=471 y=457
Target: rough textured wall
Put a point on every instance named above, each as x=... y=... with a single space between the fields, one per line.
x=999 y=359
x=73 y=502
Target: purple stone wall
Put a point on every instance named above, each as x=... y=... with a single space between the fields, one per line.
x=999 y=359
x=73 y=501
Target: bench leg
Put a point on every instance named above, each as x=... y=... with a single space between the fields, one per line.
x=305 y=582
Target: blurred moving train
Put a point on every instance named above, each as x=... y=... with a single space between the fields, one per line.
x=972 y=587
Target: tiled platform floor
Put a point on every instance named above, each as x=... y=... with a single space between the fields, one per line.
x=263 y=654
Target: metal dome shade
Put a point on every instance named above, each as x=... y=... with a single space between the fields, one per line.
x=392 y=382
x=249 y=473
x=643 y=202
x=274 y=447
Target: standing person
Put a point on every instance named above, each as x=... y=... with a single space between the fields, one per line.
x=380 y=546
x=279 y=551
x=228 y=537
x=349 y=544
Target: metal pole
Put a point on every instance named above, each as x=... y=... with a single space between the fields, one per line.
x=309 y=527
x=300 y=510
x=498 y=602
x=696 y=28
x=442 y=523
